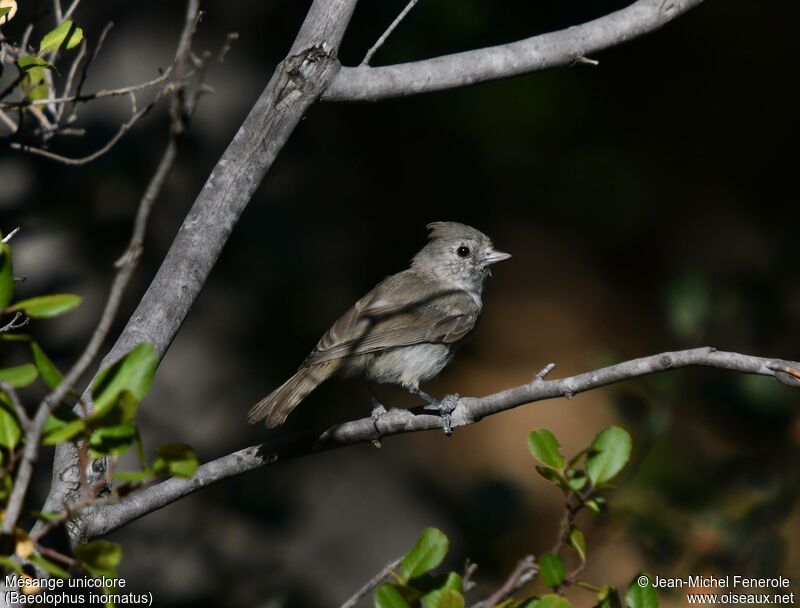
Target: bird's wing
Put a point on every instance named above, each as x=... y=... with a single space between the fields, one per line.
x=402 y=311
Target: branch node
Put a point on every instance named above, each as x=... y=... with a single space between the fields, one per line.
x=10 y=235
x=545 y=370
x=581 y=59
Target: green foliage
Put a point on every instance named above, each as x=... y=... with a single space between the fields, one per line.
x=66 y=35
x=48 y=566
x=127 y=380
x=10 y=431
x=47 y=307
x=551 y=569
x=610 y=451
x=551 y=601
x=444 y=598
x=100 y=557
x=180 y=460
x=578 y=542
x=608 y=597
x=19 y=376
x=48 y=371
x=6 y=276
x=387 y=596
x=32 y=84
x=545 y=447
x=416 y=586
x=639 y=596
x=426 y=555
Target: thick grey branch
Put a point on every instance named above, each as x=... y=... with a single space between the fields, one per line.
x=103 y=518
x=554 y=49
x=295 y=85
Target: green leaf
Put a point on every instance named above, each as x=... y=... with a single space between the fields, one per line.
x=67 y=35
x=10 y=431
x=598 y=505
x=4 y=11
x=551 y=601
x=47 y=307
x=578 y=542
x=454 y=581
x=63 y=431
x=176 y=459
x=113 y=440
x=641 y=596
x=100 y=555
x=6 y=276
x=576 y=479
x=551 y=569
x=19 y=376
x=443 y=598
x=7 y=562
x=545 y=447
x=608 y=597
x=387 y=596
x=46 y=516
x=426 y=555
x=49 y=372
x=550 y=475
x=129 y=377
x=132 y=476
x=611 y=450
x=48 y=566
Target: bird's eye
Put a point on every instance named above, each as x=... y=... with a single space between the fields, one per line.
x=462 y=251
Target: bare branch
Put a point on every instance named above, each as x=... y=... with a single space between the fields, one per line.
x=524 y=572
x=388 y=32
x=124 y=128
x=10 y=235
x=469 y=410
x=296 y=84
x=372 y=583
x=560 y=48
x=122 y=278
x=19 y=409
x=20 y=320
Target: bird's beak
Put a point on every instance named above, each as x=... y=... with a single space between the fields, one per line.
x=495 y=256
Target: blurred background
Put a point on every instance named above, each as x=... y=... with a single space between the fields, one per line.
x=647 y=203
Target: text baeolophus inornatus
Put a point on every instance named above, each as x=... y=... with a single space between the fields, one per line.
x=404 y=331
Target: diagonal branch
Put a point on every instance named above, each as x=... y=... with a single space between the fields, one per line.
x=295 y=85
x=554 y=49
x=104 y=518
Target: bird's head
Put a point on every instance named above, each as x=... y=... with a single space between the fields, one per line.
x=458 y=255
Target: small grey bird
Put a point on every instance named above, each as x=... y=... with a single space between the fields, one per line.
x=404 y=331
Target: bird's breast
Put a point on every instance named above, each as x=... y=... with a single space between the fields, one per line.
x=409 y=365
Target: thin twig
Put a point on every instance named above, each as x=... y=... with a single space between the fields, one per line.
x=8 y=121
x=20 y=320
x=10 y=235
x=372 y=583
x=524 y=572
x=124 y=128
x=379 y=43
x=19 y=409
x=86 y=66
x=73 y=69
x=120 y=282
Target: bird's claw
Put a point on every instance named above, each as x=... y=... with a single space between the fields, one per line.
x=445 y=407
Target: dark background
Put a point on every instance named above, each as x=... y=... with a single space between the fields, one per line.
x=649 y=202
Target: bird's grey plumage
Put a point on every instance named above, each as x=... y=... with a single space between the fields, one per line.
x=406 y=329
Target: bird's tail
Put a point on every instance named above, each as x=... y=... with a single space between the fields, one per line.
x=276 y=406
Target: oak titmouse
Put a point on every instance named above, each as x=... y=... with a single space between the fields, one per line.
x=404 y=331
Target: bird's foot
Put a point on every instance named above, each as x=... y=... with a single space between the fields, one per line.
x=445 y=407
x=377 y=412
